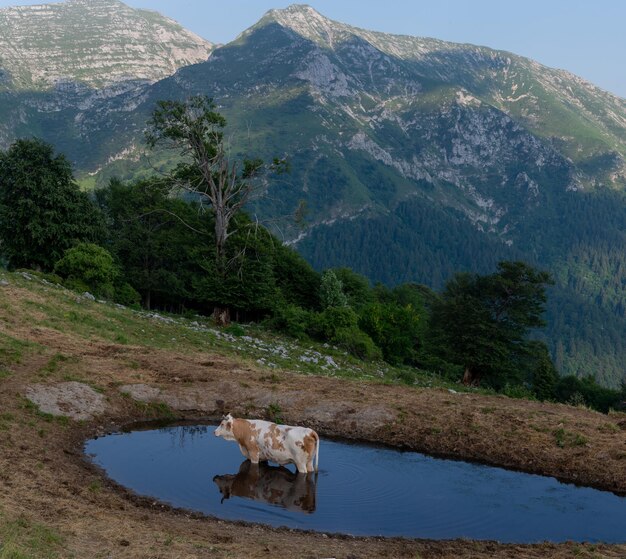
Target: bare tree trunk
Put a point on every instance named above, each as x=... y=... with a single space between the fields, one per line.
x=221 y=315
x=470 y=378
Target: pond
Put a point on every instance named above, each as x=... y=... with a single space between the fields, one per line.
x=360 y=490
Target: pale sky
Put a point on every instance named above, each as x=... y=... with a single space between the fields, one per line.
x=586 y=37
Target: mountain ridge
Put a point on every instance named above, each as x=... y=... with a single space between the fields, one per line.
x=465 y=155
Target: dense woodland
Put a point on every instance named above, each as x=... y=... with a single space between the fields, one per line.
x=183 y=242
x=421 y=243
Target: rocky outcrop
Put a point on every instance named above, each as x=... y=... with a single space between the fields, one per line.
x=94 y=42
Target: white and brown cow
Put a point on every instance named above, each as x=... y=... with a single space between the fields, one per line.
x=262 y=441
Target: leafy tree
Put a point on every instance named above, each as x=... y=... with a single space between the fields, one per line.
x=248 y=285
x=154 y=237
x=395 y=329
x=331 y=291
x=42 y=211
x=355 y=286
x=545 y=376
x=298 y=281
x=195 y=129
x=481 y=322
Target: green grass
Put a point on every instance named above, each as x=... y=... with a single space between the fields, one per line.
x=11 y=351
x=566 y=439
x=22 y=538
x=67 y=312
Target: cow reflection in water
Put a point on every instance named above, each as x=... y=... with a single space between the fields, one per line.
x=270 y=484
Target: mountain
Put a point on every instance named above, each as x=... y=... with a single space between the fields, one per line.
x=92 y=42
x=416 y=158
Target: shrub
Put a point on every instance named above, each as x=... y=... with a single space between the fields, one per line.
x=235 y=330
x=88 y=265
x=357 y=343
x=127 y=295
x=518 y=391
x=327 y=324
x=291 y=320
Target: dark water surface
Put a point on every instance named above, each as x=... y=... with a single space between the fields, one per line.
x=360 y=490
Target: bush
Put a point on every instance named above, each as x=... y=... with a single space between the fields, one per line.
x=326 y=325
x=291 y=320
x=331 y=291
x=586 y=391
x=518 y=391
x=357 y=343
x=395 y=329
x=235 y=330
x=127 y=295
x=88 y=266
x=436 y=365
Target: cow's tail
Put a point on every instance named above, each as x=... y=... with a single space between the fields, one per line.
x=317 y=453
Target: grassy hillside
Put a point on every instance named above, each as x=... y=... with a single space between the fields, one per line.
x=55 y=505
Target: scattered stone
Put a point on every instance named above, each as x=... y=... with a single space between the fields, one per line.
x=71 y=399
x=141 y=392
x=4 y=283
x=26 y=276
x=452 y=391
x=89 y=296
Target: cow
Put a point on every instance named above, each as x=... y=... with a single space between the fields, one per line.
x=275 y=485
x=262 y=441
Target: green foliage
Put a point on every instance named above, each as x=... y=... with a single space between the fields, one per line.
x=291 y=320
x=126 y=295
x=356 y=288
x=89 y=265
x=42 y=211
x=588 y=392
x=357 y=343
x=395 y=329
x=275 y=413
x=545 y=376
x=151 y=235
x=331 y=291
x=518 y=391
x=235 y=330
x=481 y=322
x=298 y=282
x=328 y=324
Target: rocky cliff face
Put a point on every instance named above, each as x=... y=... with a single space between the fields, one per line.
x=93 y=42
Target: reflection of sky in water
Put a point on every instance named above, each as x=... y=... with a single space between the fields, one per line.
x=368 y=490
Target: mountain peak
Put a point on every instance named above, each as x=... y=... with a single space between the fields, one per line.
x=305 y=21
x=94 y=42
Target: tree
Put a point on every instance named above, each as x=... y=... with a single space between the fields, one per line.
x=481 y=322
x=195 y=129
x=331 y=291
x=42 y=210
x=545 y=375
x=154 y=237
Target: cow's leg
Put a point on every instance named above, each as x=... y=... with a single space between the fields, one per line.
x=301 y=465
x=309 y=464
x=254 y=455
x=244 y=451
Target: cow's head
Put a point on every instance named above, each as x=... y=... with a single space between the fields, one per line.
x=225 y=428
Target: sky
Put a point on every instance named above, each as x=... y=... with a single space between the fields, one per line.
x=586 y=37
